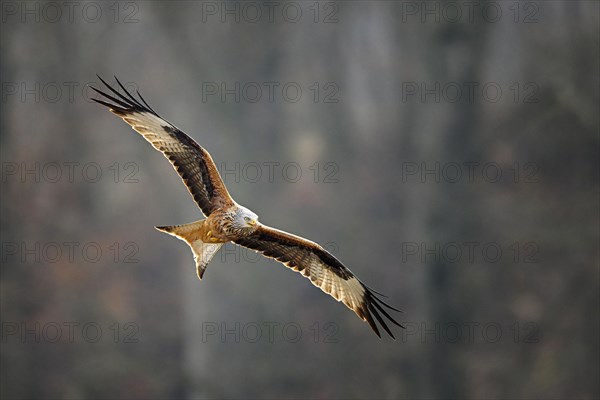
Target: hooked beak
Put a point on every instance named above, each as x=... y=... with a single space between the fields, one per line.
x=252 y=222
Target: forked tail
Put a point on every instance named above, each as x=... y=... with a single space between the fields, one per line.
x=192 y=233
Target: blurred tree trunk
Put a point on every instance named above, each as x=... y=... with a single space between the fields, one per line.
x=445 y=219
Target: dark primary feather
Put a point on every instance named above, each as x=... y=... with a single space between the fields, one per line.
x=125 y=104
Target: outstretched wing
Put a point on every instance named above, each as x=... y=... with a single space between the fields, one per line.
x=323 y=270
x=193 y=164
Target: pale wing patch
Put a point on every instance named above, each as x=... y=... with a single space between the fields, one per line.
x=152 y=129
x=350 y=291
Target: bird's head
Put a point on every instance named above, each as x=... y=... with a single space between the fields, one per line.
x=245 y=220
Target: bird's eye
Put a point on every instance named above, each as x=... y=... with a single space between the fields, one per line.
x=246 y=219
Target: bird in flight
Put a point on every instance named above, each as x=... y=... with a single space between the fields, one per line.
x=227 y=221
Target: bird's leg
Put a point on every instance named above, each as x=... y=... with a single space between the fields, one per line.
x=210 y=238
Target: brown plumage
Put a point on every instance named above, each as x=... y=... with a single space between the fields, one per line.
x=228 y=221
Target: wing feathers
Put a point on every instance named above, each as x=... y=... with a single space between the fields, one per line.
x=193 y=164
x=323 y=270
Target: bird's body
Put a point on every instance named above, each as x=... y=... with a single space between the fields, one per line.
x=220 y=226
x=227 y=221
x=205 y=237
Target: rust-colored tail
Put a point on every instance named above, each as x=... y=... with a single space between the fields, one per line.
x=192 y=234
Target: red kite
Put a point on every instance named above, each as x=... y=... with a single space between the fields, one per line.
x=227 y=221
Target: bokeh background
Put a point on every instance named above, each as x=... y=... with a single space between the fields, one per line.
x=399 y=166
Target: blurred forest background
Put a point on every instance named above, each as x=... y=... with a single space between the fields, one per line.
x=97 y=304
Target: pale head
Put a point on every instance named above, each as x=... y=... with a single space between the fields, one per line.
x=245 y=220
